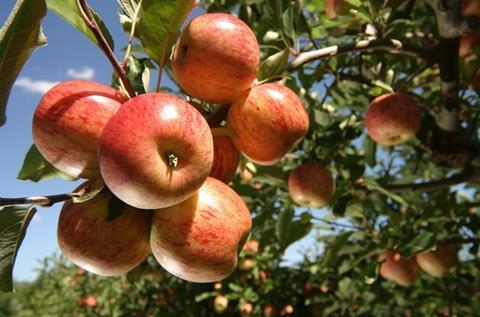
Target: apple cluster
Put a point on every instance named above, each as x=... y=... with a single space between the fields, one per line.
x=162 y=167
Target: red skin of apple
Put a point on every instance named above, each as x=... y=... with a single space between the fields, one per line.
x=106 y=248
x=400 y=270
x=89 y=301
x=136 y=143
x=68 y=122
x=198 y=240
x=437 y=263
x=267 y=122
x=393 y=119
x=311 y=185
x=471 y=7
x=334 y=7
x=216 y=58
x=225 y=159
x=467 y=43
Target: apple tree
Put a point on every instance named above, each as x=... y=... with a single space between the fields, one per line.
x=352 y=123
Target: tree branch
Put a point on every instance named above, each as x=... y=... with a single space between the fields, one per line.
x=44 y=201
x=89 y=20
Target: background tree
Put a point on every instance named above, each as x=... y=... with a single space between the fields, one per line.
x=390 y=202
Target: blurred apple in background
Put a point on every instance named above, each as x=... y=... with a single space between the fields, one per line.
x=438 y=262
x=267 y=122
x=216 y=58
x=311 y=185
x=393 y=118
x=198 y=240
x=156 y=151
x=400 y=270
x=220 y=304
x=68 y=122
x=101 y=246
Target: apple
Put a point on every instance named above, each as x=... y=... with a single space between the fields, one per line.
x=220 y=304
x=198 y=240
x=335 y=7
x=104 y=247
x=438 y=262
x=393 y=119
x=68 y=122
x=88 y=301
x=156 y=151
x=269 y=311
x=267 y=122
x=471 y=8
x=246 y=264
x=467 y=43
x=246 y=309
x=311 y=185
x=251 y=247
x=216 y=58
x=287 y=310
x=402 y=271
x=225 y=159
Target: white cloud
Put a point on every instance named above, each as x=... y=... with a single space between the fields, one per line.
x=85 y=73
x=34 y=86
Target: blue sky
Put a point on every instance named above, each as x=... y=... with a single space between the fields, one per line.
x=68 y=54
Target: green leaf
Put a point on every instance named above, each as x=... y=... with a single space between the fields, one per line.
x=68 y=10
x=373 y=185
x=288 y=230
x=273 y=65
x=159 y=23
x=419 y=243
x=36 y=168
x=370 y=148
x=13 y=226
x=19 y=36
x=138 y=73
x=128 y=6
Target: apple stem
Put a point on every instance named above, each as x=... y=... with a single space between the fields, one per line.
x=172 y=160
x=89 y=20
x=131 y=35
x=44 y=201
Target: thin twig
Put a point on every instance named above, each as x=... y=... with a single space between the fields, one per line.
x=36 y=200
x=337 y=224
x=131 y=35
x=89 y=20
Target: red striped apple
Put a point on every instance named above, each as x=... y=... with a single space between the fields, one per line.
x=156 y=151
x=104 y=247
x=268 y=122
x=438 y=262
x=68 y=122
x=216 y=58
x=393 y=119
x=402 y=271
x=198 y=240
x=311 y=185
x=225 y=159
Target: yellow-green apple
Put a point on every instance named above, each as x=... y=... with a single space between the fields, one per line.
x=156 y=151
x=246 y=264
x=393 y=118
x=216 y=58
x=311 y=185
x=335 y=7
x=402 y=271
x=267 y=122
x=106 y=247
x=68 y=122
x=225 y=158
x=246 y=309
x=438 y=262
x=198 y=240
x=220 y=304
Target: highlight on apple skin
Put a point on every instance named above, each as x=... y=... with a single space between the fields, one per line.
x=267 y=122
x=311 y=185
x=156 y=151
x=199 y=239
x=216 y=58
x=393 y=119
x=226 y=158
x=440 y=261
x=104 y=247
x=68 y=122
x=402 y=271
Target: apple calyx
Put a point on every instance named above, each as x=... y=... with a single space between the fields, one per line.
x=172 y=160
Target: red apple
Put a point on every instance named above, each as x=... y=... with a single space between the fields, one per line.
x=225 y=159
x=467 y=43
x=198 y=240
x=251 y=247
x=269 y=311
x=103 y=247
x=89 y=301
x=471 y=8
x=267 y=122
x=220 y=304
x=246 y=309
x=393 y=119
x=437 y=263
x=400 y=270
x=216 y=58
x=311 y=185
x=68 y=122
x=156 y=151
x=334 y=8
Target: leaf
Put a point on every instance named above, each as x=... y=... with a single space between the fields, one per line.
x=160 y=20
x=128 y=6
x=370 y=147
x=68 y=10
x=273 y=65
x=36 y=168
x=288 y=230
x=419 y=243
x=13 y=225
x=371 y=184
x=19 y=36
